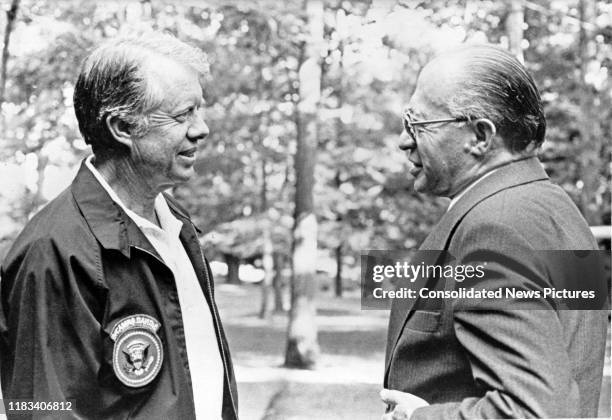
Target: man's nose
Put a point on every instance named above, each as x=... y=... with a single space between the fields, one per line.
x=198 y=130
x=406 y=141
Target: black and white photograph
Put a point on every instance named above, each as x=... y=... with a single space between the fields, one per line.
x=305 y=209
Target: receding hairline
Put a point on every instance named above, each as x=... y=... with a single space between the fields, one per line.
x=475 y=81
x=463 y=54
x=147 y=46
x=440 y=78
x=143 y=52
x=452 y=67
x=149 y=62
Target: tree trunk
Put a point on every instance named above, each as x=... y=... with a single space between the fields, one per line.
x=514 y=29
x=11 y=15
x=268 y=267
x=302 y=345
x=277 y=283
x=338 y=282
x=233 y=265
x=340 y=132
x=589 y=147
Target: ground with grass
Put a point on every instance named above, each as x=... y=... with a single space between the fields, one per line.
x=348 y=377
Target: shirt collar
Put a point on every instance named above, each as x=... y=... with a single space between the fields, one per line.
x=169 y=224
x=469 y=187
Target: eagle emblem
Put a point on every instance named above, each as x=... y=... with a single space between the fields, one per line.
x=138 y=352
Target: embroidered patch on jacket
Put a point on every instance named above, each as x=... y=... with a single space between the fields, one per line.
x=138 y=353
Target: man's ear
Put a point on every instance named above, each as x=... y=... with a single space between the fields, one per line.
x=119 y=129
x=482 y=140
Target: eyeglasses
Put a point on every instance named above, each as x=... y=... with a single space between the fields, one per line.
x=410 y=123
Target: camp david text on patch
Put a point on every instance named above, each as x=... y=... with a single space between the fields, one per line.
x=138 y=352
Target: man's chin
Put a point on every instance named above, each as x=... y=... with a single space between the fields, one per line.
x=182 y=176
x=420 y=184
x=424 y=185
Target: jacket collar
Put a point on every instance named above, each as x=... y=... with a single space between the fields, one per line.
x=111 y=226
x=510 y=175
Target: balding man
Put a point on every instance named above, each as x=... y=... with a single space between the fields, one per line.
x=471 y=131
x=107 y=307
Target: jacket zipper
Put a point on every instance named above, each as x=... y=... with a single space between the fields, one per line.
x=218 y=329
x=215 y=318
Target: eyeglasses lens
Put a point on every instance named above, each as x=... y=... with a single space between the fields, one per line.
x=409 y=127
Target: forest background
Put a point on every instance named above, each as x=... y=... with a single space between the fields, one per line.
x=301 y=171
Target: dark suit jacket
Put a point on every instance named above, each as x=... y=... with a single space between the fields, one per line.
x=498 y=361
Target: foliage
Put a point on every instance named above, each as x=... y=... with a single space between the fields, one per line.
x=370 y=59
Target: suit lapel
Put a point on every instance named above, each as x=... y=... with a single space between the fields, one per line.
x=507 y=176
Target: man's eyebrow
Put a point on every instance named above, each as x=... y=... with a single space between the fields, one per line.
x=413 y=113
x=186 y=105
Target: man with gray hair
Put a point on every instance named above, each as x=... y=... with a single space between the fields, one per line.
x=106 y=303
x=471 y=132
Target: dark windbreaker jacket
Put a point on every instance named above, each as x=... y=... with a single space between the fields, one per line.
x=79 y=267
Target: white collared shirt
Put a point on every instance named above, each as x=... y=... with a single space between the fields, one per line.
x=205 y=363
x=469 y=187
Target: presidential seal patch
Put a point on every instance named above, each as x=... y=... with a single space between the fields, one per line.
x=138 y=353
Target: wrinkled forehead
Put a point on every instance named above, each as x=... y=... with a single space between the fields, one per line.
x=168 y=70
